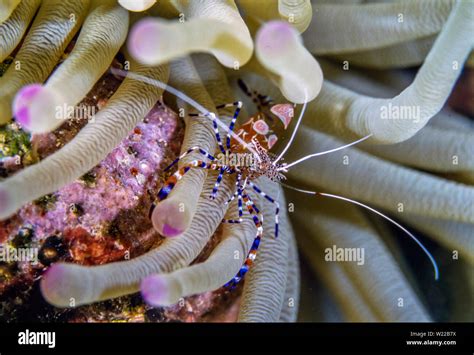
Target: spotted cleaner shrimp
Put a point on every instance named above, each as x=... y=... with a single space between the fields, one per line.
x=256 y=137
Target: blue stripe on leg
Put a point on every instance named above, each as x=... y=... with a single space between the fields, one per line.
x=252 y=252
x=189 y=151
x=165 y=191
x=212 y=116
x=239 y=193
x=272 y=200
x=237 y=183
x=216 y=185
x=238 y=106
x=234 y=119
x=218 y=136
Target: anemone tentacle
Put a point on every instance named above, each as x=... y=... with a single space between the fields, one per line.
x=381 y=292
x=264 y=289
x=13 y=29
x=402 y=185
x=102 y=34
x=289 y=310
x=221 y=266
x=419 y=18
x=129 y=104
x=453 y=235
x=6 y=8
x=280 y=50
x=42 y=48
x=229 y=42
x=403 y=55
x=296 y=12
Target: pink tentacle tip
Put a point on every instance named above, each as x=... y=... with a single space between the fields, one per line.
x=143 y=38
x=51 y=281
x=168 y=220
x=154 y=290
x=22 y=101
x=169 y=231
x=275 y=37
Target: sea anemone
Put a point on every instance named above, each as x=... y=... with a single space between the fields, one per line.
x=418 y=169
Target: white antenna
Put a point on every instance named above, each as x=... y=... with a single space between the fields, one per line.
x=433 y=261
x=286 y=166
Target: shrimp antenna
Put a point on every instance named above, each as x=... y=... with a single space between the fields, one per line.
x=181 y=95
x=433 y=261
x=286 y=166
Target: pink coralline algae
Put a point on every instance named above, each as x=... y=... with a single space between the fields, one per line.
x=120 y=182
x=102 y=216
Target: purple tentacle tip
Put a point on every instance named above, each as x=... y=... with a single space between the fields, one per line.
x=153 y=289
x=168 y=220
x=22 y=102
x=169 y=231
x=275 y=36
x=51 y=281
x=142 y=43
